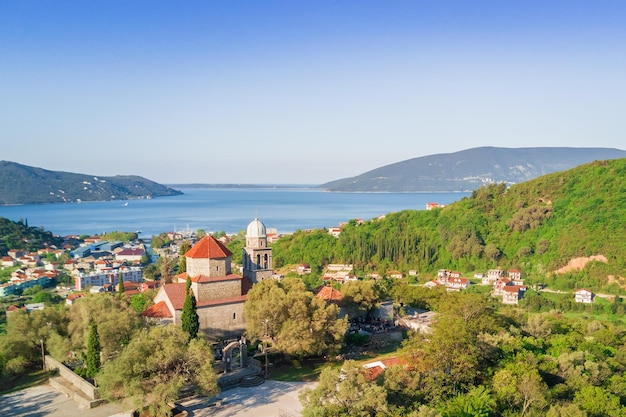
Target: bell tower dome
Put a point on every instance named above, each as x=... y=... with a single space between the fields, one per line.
x=257 y=256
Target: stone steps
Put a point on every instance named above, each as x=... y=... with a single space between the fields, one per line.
x=251 y=381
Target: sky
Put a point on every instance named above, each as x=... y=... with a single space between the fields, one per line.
x=301 y=92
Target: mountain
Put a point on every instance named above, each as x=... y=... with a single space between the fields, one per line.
x=469 y=169
x=538 y=226
x=22 y=184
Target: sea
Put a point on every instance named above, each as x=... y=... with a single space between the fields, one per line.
x=221 y=209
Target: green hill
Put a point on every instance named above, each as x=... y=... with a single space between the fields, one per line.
x=537 y=226
x=18 y=235
x=22 y=184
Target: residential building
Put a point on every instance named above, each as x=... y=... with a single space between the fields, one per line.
x=584 y=296
x=103 y=276
x=512 y=294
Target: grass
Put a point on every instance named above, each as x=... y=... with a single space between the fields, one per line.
x=309 y=370
x=25 y=381
x=306 y=371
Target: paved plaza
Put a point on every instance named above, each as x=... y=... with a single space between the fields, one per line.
x=271 y=399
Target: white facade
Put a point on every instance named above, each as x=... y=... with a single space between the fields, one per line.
x=107 y=276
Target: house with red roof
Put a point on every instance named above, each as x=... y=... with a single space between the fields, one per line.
x=220 y=294
x=132 y=255
x=511 y=294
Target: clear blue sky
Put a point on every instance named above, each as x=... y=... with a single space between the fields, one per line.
x=301 y=91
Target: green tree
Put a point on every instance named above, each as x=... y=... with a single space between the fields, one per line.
x=20 y=347
x=92 y=357
x=520 y=386
x=476 y=403
x=120 y=284
x=141 y=301
x=182 y=260
x=190 y=319
x=360 y=297
x=598 y=402
x=344 y=392
x=298 y=322
x=165 y=268
x=154 y=367
x=117 y=321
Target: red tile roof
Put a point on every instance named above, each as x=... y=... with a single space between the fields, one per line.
x=131 y=252
x=208 y=247
x=329 y=294
x=514 y=288
x=176 y=294
x=158 y=311
x=72 y=297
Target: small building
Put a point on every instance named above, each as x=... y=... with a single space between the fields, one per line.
x=584 y=296
x=303 y=269
x=457 y=284
x=515 y=274
x=71 y=299
x=334 y=230
x=512 y=294
x=132 y=255
x=9 y=262
x=395 y=274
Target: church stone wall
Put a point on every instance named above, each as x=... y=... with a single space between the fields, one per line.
x=225 y=320
x=208 y=267
x=217 y=289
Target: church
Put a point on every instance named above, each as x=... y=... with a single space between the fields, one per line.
x=220 y=294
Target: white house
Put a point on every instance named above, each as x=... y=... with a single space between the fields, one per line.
x=584 y=296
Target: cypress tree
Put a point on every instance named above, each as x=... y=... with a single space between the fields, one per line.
x=92 y=358
x=120 y=284
x=189 y=317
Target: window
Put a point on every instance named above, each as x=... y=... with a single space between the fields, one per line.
x=234 y=316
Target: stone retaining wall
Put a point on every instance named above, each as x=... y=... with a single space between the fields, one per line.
x=84 y=386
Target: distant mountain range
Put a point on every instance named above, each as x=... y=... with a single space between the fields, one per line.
x=470 y=169
x=22 y=184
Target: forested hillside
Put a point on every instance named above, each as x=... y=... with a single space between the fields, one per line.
x=537 y=226
x=18 y=235
x=22 y=184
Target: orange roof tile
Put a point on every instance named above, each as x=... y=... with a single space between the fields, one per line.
x=208 y=247
x=176 y=294
x=158 y=311
x=328 y=293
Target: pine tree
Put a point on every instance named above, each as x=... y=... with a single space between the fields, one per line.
x=120 y=284
x=189 y=318
x=92 y=358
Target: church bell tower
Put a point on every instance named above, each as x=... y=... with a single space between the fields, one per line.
x=257 y=256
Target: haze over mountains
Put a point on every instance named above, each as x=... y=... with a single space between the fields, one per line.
x=469 y=169
x=459 y=171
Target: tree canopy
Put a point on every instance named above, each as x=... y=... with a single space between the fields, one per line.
x=298 y=322
x=155 y=366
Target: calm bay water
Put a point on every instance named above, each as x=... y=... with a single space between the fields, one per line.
x=221 y=209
